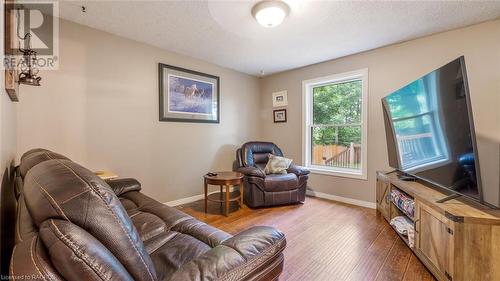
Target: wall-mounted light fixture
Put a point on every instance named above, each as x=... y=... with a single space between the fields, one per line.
x=27 y=64
x=29 y=71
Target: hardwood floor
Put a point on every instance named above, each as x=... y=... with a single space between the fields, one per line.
x=326 y=240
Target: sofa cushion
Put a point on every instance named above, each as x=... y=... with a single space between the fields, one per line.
x=172 y=218
x=179 y=250
x=30 y=259
x=280 y=182
x=248 y=255
x=25 y=228
x=172 y=238
x=77 y=255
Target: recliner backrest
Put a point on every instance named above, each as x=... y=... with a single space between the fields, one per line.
x=36 y=156
x=256 y=154
x=64 y=198
x=25 y=227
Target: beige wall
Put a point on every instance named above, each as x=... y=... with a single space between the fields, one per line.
x=101 y=110
x=389 y=69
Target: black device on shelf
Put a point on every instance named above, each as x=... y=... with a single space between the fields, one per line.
x=406 y=177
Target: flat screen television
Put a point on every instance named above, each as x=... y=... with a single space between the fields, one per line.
x=430 y=131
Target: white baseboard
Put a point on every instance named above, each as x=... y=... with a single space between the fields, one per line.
x=308 y=192
x=190 y=199
x=341 y=199
x=184 y=200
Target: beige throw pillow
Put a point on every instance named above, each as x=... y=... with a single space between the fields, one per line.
x=277 y=165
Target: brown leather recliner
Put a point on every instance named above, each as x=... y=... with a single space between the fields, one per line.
x=263 y=190
x=71 y=225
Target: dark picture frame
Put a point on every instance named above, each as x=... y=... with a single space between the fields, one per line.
x=188 y=96
x=279 y=115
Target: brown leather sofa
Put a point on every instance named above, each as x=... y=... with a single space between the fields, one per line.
x=263 y=190
x=71 y=225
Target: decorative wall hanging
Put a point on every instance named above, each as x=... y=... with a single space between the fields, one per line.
x=19 y=69
x=187 y=95
x=29 y=70
x=280 y=99
x=10 y=72
x=279 y=115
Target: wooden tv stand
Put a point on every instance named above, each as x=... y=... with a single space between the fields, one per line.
x=456 y=240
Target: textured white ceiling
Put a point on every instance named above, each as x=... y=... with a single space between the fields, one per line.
x=225 y=33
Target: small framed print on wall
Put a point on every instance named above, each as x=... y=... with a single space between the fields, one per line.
x=279 y=115
x=280 y=99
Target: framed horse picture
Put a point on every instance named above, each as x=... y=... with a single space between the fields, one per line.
x=188 y=96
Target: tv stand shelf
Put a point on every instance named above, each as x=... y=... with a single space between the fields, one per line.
x=455 y=240
x=403 y=212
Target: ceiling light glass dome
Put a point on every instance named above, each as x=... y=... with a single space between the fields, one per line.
x=270 y=13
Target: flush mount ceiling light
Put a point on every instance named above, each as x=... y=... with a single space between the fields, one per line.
x=270 y=13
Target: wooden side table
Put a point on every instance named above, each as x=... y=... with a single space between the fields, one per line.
x=224 y=180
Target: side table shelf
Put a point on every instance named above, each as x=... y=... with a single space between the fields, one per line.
x=225 y=180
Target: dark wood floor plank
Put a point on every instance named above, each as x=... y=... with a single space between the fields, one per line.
x=416 y=271
x=375 y=256
x=395 y=264
x=326 y=240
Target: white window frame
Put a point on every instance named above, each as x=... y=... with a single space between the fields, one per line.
x=307 y=108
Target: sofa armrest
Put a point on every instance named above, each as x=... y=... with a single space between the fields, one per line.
x=249 y=253
x=298 y=170
x=252 y=172
x=121 y=186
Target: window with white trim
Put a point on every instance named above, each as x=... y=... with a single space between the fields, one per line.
x=335 y=124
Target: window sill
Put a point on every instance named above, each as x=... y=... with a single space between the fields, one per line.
x=337 y=173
